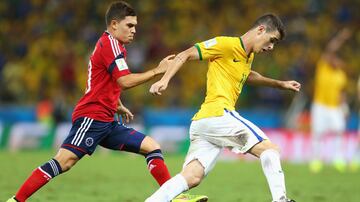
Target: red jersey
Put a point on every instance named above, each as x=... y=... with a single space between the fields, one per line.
x=107 y=63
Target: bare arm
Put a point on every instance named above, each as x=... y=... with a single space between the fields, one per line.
x=135 y=79
x=335 y=43
x=255 y=78
x=176 y=64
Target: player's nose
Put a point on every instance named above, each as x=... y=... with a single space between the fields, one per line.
x=270 y=47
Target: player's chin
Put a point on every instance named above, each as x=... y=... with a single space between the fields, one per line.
x=129 y=40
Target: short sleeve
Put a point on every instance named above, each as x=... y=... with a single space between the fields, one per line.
x=114 y=60
x=213 y=48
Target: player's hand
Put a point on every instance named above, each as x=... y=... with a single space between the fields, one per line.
x=164 y=64
x=125 y=113
x=345 y=33
x=157 y=87
x=291 y=85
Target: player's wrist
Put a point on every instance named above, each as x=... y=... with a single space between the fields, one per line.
x=154 y=72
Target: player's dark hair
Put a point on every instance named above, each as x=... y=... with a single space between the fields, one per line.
x=271 y=23
x=118 y=11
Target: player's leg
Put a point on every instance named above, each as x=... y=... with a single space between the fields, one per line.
x=270 y=161
x=130 y=140
x=154 y=160
x=156 y=165
x=257 y=144
x=82 y=139
x=355 y=161
x=338 y=125
x=319 y=124
x=200 y=159
x=61 y=163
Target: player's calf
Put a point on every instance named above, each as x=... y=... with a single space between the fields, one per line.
x=38 y=178
x=62 y=162
x=155 y=160
x=193 y=173
x=66 y=159
x=259 y=148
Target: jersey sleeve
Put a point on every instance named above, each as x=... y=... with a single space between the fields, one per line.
x=213 y=48
x=114 y=60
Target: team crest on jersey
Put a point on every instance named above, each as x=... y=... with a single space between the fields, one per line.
x=89 y=141
x=210 y=42
x=121 y=64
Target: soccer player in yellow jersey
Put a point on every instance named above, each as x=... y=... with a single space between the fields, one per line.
x=327 y=111
x=217 y=125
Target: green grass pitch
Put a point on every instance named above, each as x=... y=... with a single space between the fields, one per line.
x=113 y=177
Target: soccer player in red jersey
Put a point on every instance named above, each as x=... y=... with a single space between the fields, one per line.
x=93 y=117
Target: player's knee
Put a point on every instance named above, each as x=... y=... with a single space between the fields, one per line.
x=193 y=173
x=258 y=149
x=66 y=159
x=154 y=145
x=272 y=146
x=149 y=145
x=67 y=163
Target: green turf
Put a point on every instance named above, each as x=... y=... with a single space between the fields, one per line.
x=123 y=178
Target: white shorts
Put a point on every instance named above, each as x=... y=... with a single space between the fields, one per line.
x=209 y=135
x=326 y=119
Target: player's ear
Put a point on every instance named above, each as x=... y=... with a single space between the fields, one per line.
x=260 y=29
x=114 y=24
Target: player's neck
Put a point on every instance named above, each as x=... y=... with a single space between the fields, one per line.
x=111 y=32
x=247 y=41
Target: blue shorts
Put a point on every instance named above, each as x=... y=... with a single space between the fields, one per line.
x=87 y=133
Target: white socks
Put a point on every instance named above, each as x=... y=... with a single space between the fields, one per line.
x=338 y=148
x=270 y=162
x=169 y=190
x=316 y=147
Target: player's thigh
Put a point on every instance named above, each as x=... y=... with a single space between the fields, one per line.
x=204 y=152
x=84 y=136
x=337 y=121
x=245 y=134
x=123 y=138
x=319 y=119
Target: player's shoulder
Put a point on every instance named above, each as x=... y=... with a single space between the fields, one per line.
x=221 y=41
x=106 y=39
x=227 y=38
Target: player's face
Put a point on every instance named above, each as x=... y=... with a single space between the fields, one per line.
x=265 y=41
x=125 y=29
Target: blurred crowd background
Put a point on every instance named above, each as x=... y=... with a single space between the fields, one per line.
x=45 y=47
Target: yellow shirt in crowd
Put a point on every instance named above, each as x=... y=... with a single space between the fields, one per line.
x=329 y=84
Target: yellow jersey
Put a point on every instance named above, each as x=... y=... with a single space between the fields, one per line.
x=329 y=84
x=228 y=69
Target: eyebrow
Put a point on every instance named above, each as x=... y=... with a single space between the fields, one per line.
x=274 y=40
